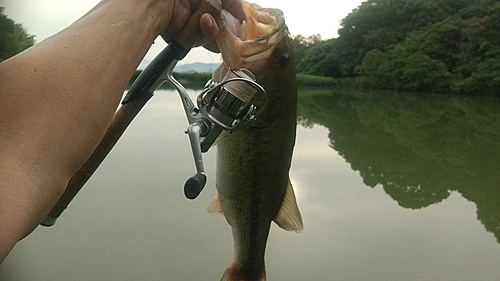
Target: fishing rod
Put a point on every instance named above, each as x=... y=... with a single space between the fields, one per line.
x=224 y=105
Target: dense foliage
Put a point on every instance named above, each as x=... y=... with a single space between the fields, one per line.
x=13 y=37
x=418 y=45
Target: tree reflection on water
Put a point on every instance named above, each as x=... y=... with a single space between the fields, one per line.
x=419 y=147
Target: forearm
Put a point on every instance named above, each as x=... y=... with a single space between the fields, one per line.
x=57 y=99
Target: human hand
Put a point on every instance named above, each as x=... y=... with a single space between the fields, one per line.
x=182 y=9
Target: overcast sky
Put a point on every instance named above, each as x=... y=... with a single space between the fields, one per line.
x=43 y=18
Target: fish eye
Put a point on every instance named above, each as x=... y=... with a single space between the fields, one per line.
x=282 y=58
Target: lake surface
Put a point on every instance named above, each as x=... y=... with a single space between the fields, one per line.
x=391 y=186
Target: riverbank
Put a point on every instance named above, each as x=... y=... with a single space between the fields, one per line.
x=197 y=80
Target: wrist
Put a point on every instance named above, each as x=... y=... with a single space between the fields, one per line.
x=159 y=14
x=152 y=17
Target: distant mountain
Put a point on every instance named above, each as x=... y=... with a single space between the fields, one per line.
x=197 y=66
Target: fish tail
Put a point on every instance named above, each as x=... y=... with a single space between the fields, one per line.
x=232 y=274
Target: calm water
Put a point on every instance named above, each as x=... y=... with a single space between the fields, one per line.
x=390 y=186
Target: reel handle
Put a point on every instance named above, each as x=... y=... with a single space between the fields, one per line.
x=194 y=185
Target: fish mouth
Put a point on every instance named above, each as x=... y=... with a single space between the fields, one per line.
x=250 y=43
x=262 y=23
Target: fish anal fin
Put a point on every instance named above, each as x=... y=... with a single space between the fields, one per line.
x=215 y=207
x=289 y=217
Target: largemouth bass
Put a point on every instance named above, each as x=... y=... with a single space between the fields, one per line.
x=253 y=186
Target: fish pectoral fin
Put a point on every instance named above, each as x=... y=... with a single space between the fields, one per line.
x=289 y=217
x=215 y=206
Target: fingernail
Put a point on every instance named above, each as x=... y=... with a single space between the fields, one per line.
x=208 y=21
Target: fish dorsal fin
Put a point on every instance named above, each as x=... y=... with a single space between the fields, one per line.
x=215 y=206
x=289 y=217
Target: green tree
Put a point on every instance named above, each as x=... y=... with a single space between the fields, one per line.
x=378 y=24
x=318 y=58
x=423 y=45
x=453 y=54
x=13 y=37
x=301 y=44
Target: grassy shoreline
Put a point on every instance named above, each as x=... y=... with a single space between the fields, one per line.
x=197 y=80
